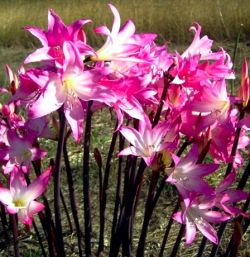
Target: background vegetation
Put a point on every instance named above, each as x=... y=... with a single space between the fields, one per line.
x=171 y=19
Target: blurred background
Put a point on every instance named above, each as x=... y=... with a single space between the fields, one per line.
x=171 y=19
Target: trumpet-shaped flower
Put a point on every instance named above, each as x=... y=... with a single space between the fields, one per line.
x=54 y=38
x=187 y=174
x=20 y=198
x=122 y=43
x=212 y=98
x=226 y=198
x=67 y=88
x=196 y=214
x=19 y=151
x=146 y=142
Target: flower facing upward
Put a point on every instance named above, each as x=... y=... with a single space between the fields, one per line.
x=54 y=38
x=146 y=142
x=122 y=43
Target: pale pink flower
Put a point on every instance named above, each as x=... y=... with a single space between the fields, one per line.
x=187 y=174
x=196 y=214
x=20 y=197
x=147 y=141
x=67 y=88
x=211 y=98
x=122 y=43
x=19 y=151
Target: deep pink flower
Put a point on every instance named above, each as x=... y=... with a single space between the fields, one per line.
x=54 y=38
x=225 y=198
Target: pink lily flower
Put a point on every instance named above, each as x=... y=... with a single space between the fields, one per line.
x=121 y=44
x=222 y=136
x=20 y=198
x=54 y=38
x=67 y=88
x=147 y=141
x=19 y=151
x=196 y=214
x=226 y=198
x=187 y=174
x=201 y=46
x=212 y=98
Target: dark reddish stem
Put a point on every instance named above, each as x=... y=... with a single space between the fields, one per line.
x=104 y=190
x=14 y=226
x=72 y=197
x=59 y=234
x=86 y=191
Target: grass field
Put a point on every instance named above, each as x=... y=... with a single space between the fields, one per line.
x=171 y=19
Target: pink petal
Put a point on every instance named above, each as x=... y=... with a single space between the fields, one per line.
x=103 y=30
x=127 y=30
x=132 y=136
x=129 y=151
x=41 y=54
x=34 y=207
x=117 y=20
x=190 y=232
x=12 y=209
x=225 y=183
x=178 y=216
x=38 y=186
x=5 y=196
x=50 y=100
x=38 y=33
x=72 y=57
x=74 y=114
x=208 y=231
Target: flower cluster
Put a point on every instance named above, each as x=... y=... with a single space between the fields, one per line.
x=170 y=96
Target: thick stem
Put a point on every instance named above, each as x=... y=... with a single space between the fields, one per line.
x=59 y=235
x=148 y=213
x=126 y=213
x=72 y=197
x=118 y=189
x=86 y=192
x=14 y=226
x=104 y=191
x=4 y=222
